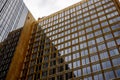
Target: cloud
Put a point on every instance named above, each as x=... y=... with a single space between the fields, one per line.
x=40 y=8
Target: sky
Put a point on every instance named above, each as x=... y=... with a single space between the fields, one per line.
x=41 y=8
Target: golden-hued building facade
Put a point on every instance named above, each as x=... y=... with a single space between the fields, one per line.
x=87 y=38
x=80 y=42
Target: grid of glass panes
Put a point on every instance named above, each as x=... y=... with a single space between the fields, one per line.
x=42 y=58
x=86 y=36
x=89 y=31
x=7 y=52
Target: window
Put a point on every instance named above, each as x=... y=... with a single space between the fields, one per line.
x=79 y=12
x=76 y=55
x=96 y=27
x=118 y=41
x=73 y=24
x=72 y=10
x=83 y=45
x=52 y=63
x=91 y=7
x=90 y=36
x=80 y=21
x=70 y=65
x=84 y=5
x=96 y=67
x=99 y=8
x=67 y=44
x=78 y=7
x=101 y=47
x=74 y=41
x=31 y=70
x=85 y=9
x=60 y=77
x=112 y=14
x=74 y=35
x=109 y=75
x=109 y=36
x=116 y=61
x=30 y=77
x=98 y=4
x=75 y=48
x=68 y=50
x=94 y=21
x=85 y=61
x=105 y=30
x=85 y=14
x=88 y=30
x=118 y=72
x=93 y=16
x=114 y=52
x=117 y=33
x=111 y=44
x=45 y=65
x=106 y=64
x=91 y=42
x=92 y=50
x=114 y=20
x=98 y=77
x=99 y=32
x=60 y=68
x=76 y=64
x=60 y=60
x=88 y=78
x=84 y=52
x=52 y=78
x=34 y=56
x=110 y=9
x=94 y=58
x=46 y=58
x=107 y=5
x=68 y=58
x=104 y=23
x=67 y=38
x=86 y=70
x=72 y=20
x=101 y=13
x=90 y=2
x=100 y=39
x=116 y=26
x=82 y=38
x=80 y=27
x=44 y=73
x=81 y=32
x=103 y=55
x=33 y=62
x=77 y=73
x=35 y=50
x=97 y=1
x=102 y=18
x=87 y=24
x=86 y=19
x=92 y=11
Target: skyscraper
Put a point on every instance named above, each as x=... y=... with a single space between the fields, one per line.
x=12 y=16
x=80 y=42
